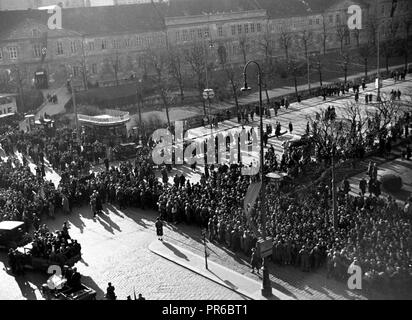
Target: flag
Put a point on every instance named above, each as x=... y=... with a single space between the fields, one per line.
x=394 y=4
x=134 y=293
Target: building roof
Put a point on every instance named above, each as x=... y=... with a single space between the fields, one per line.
x=91 y=20
x=146 y=17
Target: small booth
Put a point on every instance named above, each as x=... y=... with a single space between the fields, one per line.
x=40 y=80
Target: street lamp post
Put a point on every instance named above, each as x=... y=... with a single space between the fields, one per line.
x=266 y=287
x=140 y=102
x=76 y=118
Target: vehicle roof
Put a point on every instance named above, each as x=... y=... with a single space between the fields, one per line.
x=10 y=225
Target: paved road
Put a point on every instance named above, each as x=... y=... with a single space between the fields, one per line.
x=299 y=114
x=115 y=248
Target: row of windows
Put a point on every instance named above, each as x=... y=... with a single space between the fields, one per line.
x=139 y=41
x=192 y=34
x=12 y=53
x=246 y=28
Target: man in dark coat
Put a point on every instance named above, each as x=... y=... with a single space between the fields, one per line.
x=254 y=261
x=159 y=229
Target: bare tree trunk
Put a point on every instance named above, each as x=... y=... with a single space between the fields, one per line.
x=320 y=76
x=366 y=66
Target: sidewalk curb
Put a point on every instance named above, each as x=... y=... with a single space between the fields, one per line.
x=199 y=272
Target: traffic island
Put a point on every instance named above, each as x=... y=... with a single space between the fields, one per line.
x=249 y=288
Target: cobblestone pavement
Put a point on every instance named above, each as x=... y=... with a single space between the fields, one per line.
x=115 y=249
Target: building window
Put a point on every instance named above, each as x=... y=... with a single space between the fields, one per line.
x=220 y=31
x=310 y=22
x=233 y=28
x=252 y=27
x=192 y=34
x=177 y=36
x=206 y=32
x=239 y=28
x=13 y=53
x=330 y=19
x=104 y=44
x=337 y=18
x=383 y=9
x=94 y=68
x=317 y=21
x=185 y=36
x=127 y=43
x=199 y=33
x=73 y=46
x=37 y=50
x=59 y=48
x=246 y=26
x=91 y=46
x=75 y=71
x=139 y=41
x=258 y=27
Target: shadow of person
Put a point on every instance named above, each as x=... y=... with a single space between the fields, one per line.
x=175 y=251
x=88 y=281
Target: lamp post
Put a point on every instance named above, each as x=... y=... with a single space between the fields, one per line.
x=266 y=287
x=76 y=118
x=140 y=102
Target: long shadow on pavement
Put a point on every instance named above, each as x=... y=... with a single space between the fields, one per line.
x=175 y=251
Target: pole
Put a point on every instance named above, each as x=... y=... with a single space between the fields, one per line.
x=378 y=53
x=205 y=245
x=307 y=61
x=139 y=103
x=75 y=109
x=266 y=285
x=334 y=204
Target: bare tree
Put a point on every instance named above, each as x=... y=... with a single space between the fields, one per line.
x=356 y=33
x=244 y=47
x=115 y=64
x=230 y=72
x=295 y=69
x=365 y=51
x=344 y=61
x=285 y=41
x=318 y=66
x=405 y=44
x=175 y=67
x=324 y=34
x=306 y=38
x=267 y=44
x=158 y=59
x=195 y=56
x=388 y=46
x=341 y=32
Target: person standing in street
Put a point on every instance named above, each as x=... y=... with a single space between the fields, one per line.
x=159 y=229
x=290 y=127
x=254 y=261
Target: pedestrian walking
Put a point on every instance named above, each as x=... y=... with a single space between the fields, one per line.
x=290 y=127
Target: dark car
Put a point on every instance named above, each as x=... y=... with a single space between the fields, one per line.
x=11 y=234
